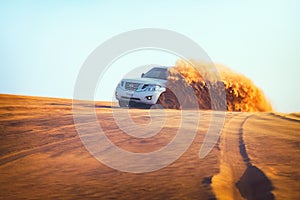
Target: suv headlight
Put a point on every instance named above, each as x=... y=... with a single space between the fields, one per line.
x=146 y=88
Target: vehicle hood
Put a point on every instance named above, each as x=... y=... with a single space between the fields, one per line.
x=147 y=81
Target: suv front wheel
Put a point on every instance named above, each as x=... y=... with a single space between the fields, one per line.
x=168 y=100
x=123 y=103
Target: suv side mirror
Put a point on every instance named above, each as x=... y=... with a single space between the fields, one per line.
x=142 y=75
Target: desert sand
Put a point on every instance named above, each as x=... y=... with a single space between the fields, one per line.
x=42 y=156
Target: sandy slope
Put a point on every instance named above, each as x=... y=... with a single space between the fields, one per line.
x=278 y=151
x=42 y=157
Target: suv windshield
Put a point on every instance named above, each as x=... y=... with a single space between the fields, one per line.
x=158 y=73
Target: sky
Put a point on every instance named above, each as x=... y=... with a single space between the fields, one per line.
x=43 y=44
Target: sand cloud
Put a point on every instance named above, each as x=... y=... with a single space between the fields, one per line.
x=212 y=90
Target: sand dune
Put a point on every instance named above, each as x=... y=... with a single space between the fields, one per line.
x=42 y=156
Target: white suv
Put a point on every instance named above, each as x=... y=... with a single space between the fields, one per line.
x=143 y=91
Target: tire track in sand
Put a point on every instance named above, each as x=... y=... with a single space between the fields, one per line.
x=238 y=178
x=232 y=165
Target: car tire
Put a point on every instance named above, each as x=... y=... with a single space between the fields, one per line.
x=168 y=100
x=123 y=104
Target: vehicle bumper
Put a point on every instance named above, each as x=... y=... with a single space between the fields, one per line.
x=149 y=97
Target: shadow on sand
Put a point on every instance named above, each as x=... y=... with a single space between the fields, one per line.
x=254 y=184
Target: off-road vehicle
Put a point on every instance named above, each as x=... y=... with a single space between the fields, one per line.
x=147 y=90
